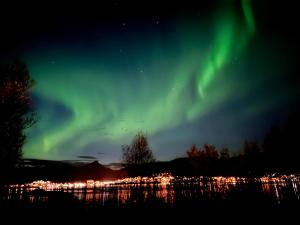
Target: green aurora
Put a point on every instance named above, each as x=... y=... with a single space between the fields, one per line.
x=94 y=94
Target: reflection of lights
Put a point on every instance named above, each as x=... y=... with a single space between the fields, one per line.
x=161 y=187
x=215 y=184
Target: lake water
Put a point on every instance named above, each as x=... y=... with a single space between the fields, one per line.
x=179 y=192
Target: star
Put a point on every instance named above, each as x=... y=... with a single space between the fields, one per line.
x=156 y=20
x=140 y=70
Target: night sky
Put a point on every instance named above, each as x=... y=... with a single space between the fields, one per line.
x=217 y=73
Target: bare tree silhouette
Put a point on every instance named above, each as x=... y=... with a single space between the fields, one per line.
x=138 y=152
x=16 y=111
x=209 y=151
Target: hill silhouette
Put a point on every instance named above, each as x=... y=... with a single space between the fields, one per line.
x=60 y=171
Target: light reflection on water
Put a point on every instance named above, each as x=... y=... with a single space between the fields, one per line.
x=178 y=193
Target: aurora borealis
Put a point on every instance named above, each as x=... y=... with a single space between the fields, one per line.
x=207 y=76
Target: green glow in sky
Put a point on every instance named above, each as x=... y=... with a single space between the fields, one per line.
x=229 y=40
x=95 y=95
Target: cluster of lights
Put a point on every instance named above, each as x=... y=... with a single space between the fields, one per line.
x=218 y=179
x=279 y=178
x=162 y=179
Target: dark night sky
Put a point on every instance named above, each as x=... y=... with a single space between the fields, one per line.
x=218 y=72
